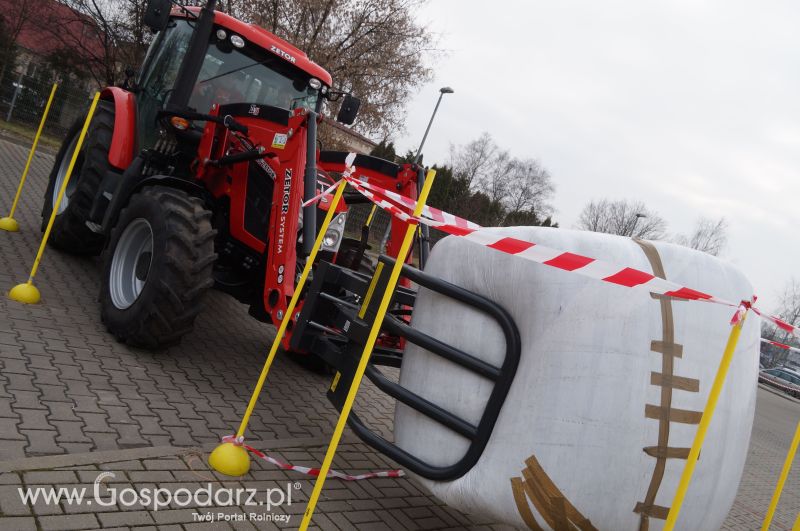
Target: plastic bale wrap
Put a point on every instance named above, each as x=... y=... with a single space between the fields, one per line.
x=587 y=374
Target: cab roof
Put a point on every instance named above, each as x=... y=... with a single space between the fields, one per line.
x=266 y=40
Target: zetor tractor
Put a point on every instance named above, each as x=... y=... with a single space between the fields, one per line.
x=193 y=176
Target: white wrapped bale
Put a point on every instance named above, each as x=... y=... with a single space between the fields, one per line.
x=610 y=386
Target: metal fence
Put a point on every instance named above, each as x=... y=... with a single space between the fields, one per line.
x=356 y=218
x=23 y=98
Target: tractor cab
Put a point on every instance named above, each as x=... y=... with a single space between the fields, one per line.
x=236 y=63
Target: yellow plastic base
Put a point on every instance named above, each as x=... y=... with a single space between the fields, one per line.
x=25 y=293
x=9 y=224
x=229 y=459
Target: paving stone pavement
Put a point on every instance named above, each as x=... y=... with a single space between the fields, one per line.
x=380 y=504
x=776 y=419
x=67 y=388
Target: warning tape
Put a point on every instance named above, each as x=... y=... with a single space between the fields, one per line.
x=409 y=204
x=399 y=206
x=566 y=261
x=383 y=202
x=784 y=346
x=780 y=323
x=239 y=441
x=348 y=170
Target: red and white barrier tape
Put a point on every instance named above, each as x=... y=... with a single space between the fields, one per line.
x=409 y=204
x=742 y=310
x=387 y=205
x=784 y=346
x=239 y=441
x=780 y=323
x=401 y=207
x=591 y=267
x=348 y=170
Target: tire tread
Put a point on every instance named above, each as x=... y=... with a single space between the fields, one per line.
x=180 y=285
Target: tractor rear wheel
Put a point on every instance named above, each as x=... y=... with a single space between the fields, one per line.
x=158 y=267
x=70 y=232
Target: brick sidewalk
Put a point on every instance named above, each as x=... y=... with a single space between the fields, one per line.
x=67 y=388
x=374 y=505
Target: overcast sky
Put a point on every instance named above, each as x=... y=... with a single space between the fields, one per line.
x=690 y=106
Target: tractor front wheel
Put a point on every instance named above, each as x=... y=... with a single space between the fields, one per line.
x=158 y=267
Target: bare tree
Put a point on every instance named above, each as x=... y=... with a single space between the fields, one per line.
x=471 y=161
x=15 y=17
x=101 y=38
x=375 y=48
x=624 y=218
x=710 y=236
x=530 y=189
x=788 y=311
x=512 y=190
x=495 y=180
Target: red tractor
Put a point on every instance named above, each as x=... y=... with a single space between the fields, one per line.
x=194 y=176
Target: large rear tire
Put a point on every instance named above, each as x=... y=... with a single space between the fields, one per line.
x=70 y=233
x=158 y=267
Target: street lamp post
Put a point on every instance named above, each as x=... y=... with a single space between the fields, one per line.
x=442 y=92
x=635 y=222
x=424 y=239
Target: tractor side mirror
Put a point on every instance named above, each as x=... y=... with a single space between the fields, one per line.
x=349 y=110
x=156 y=14
x=130 y=76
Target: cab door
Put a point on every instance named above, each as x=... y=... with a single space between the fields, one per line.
x=157 y=78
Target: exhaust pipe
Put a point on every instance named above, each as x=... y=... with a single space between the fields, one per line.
x=310 y=185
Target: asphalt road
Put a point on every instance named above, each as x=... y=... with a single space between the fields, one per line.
x=776 y=419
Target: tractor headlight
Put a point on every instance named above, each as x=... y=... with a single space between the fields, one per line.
x=333 y=236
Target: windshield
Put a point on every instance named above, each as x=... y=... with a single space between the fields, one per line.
x=249 y=75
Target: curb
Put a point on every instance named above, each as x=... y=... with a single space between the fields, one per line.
x=25 y=142
x=778 y=393
x=95 y=458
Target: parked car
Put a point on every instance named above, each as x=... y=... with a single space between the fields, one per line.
x=783 y=379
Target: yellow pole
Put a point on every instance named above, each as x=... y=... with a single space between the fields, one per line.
x=796 y=526
x=371 y=214
x=10 y=223
x=227 y=458
x=362 y=364
x=27 y=292
x=705 y=421
x=782 y=480
x=292 y=304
